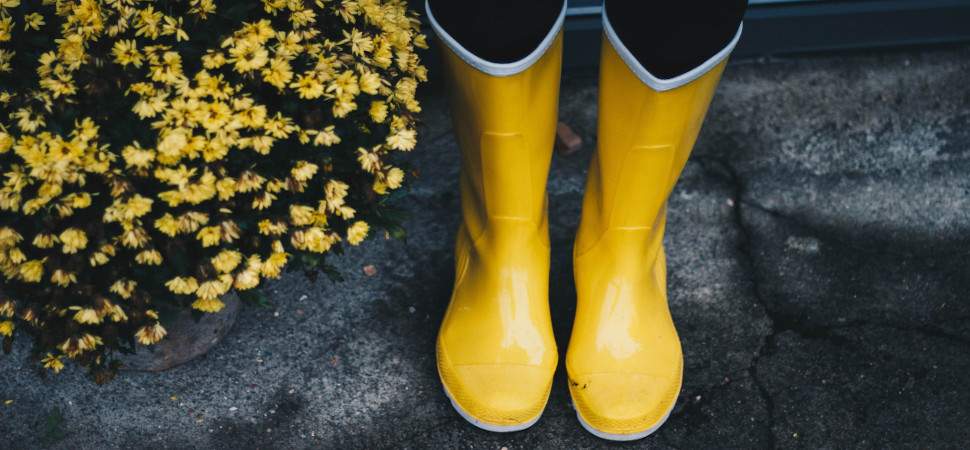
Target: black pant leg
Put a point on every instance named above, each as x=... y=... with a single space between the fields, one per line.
x=671 y=37
x=500 y=31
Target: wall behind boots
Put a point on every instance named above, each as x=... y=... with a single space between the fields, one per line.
x=775 y=27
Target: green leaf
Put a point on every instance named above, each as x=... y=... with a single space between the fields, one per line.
x=253 y=297
x=53 y=420
x=168 y=316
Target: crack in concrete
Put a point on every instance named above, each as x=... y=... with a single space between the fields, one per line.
x=749 y=268
x=781 y=321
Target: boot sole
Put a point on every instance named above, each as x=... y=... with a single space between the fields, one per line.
x=621 y=437
x=488 y=426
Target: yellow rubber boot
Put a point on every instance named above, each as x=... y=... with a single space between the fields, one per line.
x=496 y=352
x=624 y=360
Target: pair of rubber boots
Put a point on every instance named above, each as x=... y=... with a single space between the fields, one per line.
x=496 y=352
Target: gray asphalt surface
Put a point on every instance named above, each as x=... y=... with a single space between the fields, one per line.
x=818 y=248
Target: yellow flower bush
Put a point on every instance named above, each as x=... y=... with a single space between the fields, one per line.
x=156 y=154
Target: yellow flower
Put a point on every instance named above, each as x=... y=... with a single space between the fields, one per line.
x=44 y=240
x=126 y=52
x=87 y=316
x=167 y=224
x=209 y=305
x=308 y=86
x=9 y=237
x=303 y=18
x=135 y=156
x=209 y=236
x=6 y=142
x=32 y=271
x=304 y=170
x=403 y=139
x=357 y=232
x=261 y=144
x=326 y=137
x=6 y=27
x=213 y=59
x=63 y=278
x=74 y=346
x=269 y=227
x=359 y=42
x=169 y=69
x=263 y=201
x=301 y=215
x=369 y=159
x=61 y=85
x=183 y=286
x=117 y=314
x=150 y=334
x=149 y=257
x=212 y=289
x=97 y=259
x=226 y=261
x=247 y=279
x=124 y=288
x=7 y=308
x=248 y=56
x=395 y=177
x=53 y=362
x=273 y=265
x=16 y=256
x=135 y=237
x=378 y=111
x=335 y=191
x=279 y=72
x=6 y=328
x=173 y=26
x=343 y=105
x=73 y=240
x=30 y=316
x=191 y=221
x=370 y=83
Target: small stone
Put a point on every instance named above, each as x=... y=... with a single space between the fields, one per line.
x=370 y=270
x=233 y=409
x=567 y=142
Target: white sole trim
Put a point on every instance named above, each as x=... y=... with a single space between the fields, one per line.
x=620 y=437
x=488 y=426
x=493 y=68
x=665 y=84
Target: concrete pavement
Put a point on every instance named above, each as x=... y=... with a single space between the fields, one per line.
x=818 y=245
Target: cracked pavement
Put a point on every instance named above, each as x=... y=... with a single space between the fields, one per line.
x=817 y=247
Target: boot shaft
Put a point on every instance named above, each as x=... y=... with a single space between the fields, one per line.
x=505 y=127
x=644 y=139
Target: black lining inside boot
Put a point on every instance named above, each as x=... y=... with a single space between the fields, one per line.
x=500 y=31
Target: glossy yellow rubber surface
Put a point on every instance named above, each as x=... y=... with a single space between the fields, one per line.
x=496 y=352
x=624 y=359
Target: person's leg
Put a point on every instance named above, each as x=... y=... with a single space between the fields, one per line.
x=500 y=31
x=496 y=353
x=624 y=359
